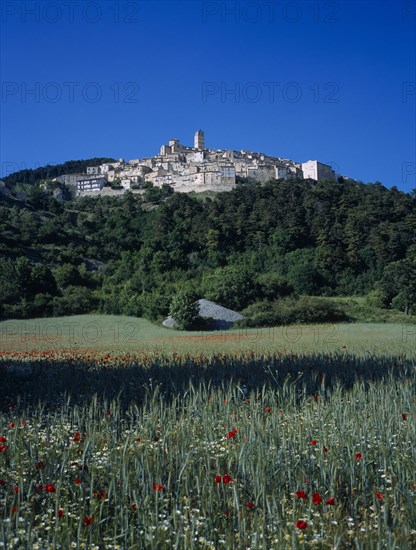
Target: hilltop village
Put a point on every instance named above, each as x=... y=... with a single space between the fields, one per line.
x=188 y=169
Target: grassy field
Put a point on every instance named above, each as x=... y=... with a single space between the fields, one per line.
x=107 y=333
x=121 y=434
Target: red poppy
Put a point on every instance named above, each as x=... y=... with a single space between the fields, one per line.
x=99 y=495
x=358 y=456
x=88 y=520
x=3 y=448
x=232 y=434
x=227 y=479
x=301 y=524
x=14 y=509
x=316 y=499
x=313 y=442
x=50 y=489
x=2 y=439
x=379 y=496
x=301 y=494
x=404 y=416
x=77 y=480
x=16 y=490
x=227 y=513
x=138 y=440
x=250 y=505
x=268 y=410
x=2 y=482
x=24 y=424
x=326 y=449
x=157 y=487
x=76 y=437
x=133 y=506
x=11 y=424
x=60 y=513
x=315 y=398
x=330 y=501
x=218 y=479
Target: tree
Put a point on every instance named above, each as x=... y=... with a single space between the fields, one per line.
x=184 y=310
x=399 y=284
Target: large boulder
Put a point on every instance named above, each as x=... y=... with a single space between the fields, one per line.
x=218 y=317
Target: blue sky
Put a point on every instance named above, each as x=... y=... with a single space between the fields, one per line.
x=333 y=81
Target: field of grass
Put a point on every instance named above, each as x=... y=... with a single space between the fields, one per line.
x=204 y=441
x=114 y=334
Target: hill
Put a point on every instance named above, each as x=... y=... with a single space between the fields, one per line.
x=35 y=175
x=259 y=246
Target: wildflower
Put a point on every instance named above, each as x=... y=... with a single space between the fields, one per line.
x=379 y=496
x=300 y=524
x=11 y=424
x=76 y=437
x=3 y=448
x=157 y=487
x=316 y=498
x=2 y=439
x=14 y=509
x=325 y=449
x=134 y=506
x=313 y=442
x=227 y=513
x=315 y=398
x=232 y=434
x=16 y=490
x=227 y=479
x=330 y=501
x=404 y=416
x=24 y=424
x=50 y=489
x=218 y=479
x=77 y=480
x=88 y=520
x=60 y=513
x=99 y=495
x=358 y=456
x=268 y=410
x=301 y=494
x=250 y=505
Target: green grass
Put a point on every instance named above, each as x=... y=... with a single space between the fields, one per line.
x=119 y=434
x=102 y=333
x=150 y=468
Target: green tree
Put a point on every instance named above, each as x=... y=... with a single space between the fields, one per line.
x=184 y=310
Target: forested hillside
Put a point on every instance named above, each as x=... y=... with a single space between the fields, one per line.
x=252 y=247
x=35 y=175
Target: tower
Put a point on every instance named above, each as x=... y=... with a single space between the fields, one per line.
x=199 y=140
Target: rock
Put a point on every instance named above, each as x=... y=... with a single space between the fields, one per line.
x=221 y=317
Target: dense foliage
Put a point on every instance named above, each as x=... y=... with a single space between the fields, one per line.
x=257 y=243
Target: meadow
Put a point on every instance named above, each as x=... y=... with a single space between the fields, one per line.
x=305 y=438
